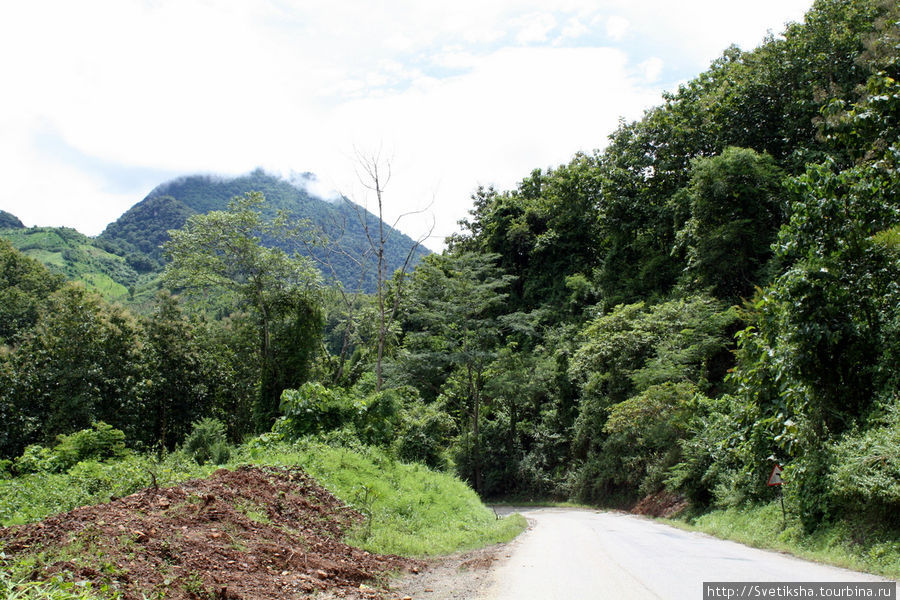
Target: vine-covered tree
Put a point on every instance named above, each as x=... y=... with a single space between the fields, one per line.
x=221 y=254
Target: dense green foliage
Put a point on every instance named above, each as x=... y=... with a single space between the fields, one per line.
x=714 y=291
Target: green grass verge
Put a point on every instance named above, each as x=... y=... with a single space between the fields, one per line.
x=853 y=545
x=410 y=509
x=32 y=497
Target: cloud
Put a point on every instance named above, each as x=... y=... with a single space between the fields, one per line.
x=617 y=27
x=573 y=29
x=311 y=184
x=518 y=109
x=651 y=69
x=534 y=27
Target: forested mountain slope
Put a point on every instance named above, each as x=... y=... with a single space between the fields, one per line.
x=714 y=292
x=9 y=221
x=141 y=231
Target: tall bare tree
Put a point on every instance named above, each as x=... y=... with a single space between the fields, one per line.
x=374 y=173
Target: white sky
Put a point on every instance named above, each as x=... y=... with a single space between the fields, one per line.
x=101 y=100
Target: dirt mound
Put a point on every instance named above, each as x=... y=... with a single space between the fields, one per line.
x=253 y=533
x=660 y=504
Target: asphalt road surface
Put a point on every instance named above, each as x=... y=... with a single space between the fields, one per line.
x=571 y=554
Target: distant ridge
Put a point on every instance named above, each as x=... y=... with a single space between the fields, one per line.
x=9 y=221
x=142 y=230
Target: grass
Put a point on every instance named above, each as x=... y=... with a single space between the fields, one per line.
x=253 y=511
x=15 y=585
x=104 y=285
x=32 y=497
x=410 y=509
x=854 y=545
x=48 y=257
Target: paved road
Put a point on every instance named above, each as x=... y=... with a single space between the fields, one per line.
x=582 y=554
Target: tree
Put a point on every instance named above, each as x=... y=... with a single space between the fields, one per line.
x=180 y=385
x=24 y=286
x=543 y=232
x=375 y=174
x=82 y=362
x=454 y=321
x=631 y=358
x=736 y=202
x=221 y=253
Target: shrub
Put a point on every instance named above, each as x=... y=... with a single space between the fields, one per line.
x=101 y=442
x=421 y=437
x=866 y=473
x=35 y=459
x=705 y=452
x=313 y=409
x=379 y=417
x=809 y=491
x=207 y=442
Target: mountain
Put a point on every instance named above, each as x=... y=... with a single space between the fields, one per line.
x=139 y=234
x=76 y=257
x=9 y=221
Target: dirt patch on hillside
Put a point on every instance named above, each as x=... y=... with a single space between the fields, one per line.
x=660 y=504
x=249 y=534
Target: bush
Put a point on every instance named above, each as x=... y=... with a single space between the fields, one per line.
x=866 y=473
x=705 y=452
x=101 y=442
x=421 y=437
x=207 y=442
x=381 y=416
x=313 y=409
x=392 y=417
x=809 y=491
x=36 y=459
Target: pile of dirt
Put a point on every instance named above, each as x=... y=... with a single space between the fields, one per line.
x=254 y=533
x=660 y=504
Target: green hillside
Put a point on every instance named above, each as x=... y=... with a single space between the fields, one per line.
x=77 y=257
x=140 y=232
